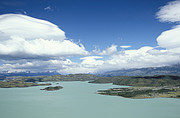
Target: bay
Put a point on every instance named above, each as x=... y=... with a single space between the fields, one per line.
x=79 y=100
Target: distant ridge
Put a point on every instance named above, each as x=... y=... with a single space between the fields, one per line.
x=4 y=75
x=165 y=70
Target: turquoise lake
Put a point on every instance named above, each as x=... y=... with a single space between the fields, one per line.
x=79 y=100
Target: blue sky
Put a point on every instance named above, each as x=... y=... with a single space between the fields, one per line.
x=98 y=23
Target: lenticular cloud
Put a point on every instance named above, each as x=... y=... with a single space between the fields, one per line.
x=22 y=36
x=170 y=39
x=29 y=28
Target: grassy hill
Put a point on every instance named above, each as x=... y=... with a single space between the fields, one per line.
x=153 y=81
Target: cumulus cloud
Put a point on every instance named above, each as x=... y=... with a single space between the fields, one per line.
x=35 y=65
x=92 y=61
x=143 y=57
x=77 y=68
x=26 y=37
x=18 y=47
x=89 y=64
x=62 y=65
x=170 y=12
x=109 y=51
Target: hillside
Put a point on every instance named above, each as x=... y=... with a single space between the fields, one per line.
x=166 y=70
x=167 y=86
x=33 y=81
x=147 y=81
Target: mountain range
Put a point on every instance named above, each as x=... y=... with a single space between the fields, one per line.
x=165 y=70
x=4 y=75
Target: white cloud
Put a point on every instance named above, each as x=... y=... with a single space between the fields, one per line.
x=29 y=28
x=92 y=61
x=76 y=68
x=89 y=64
x=20 y=48
x=143 y=57
x=46 y=47
x=109 y=51
x=30 y=44
x=36 y=65
x=64 y=66
x=170 y=12
x=26 y=37
x=91 y=57
x=170 y=38
x=47 y=8
x=125 y=46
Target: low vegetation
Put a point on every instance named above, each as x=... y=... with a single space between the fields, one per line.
x=151 y=81
x=70 y=77
x=143 y=92
x=143 y=86
x=33 y=81
x=13 y=84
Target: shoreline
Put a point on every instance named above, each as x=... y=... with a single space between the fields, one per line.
x=143 y=92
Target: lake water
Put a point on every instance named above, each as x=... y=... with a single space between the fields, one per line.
x=79 y=100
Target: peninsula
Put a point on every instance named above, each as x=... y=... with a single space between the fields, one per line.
x=15 y=84
x=143 y=92
x=162 y=86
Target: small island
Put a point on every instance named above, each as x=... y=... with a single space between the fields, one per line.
x=52 y=88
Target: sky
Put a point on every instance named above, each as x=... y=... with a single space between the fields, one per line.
x=88 y=36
